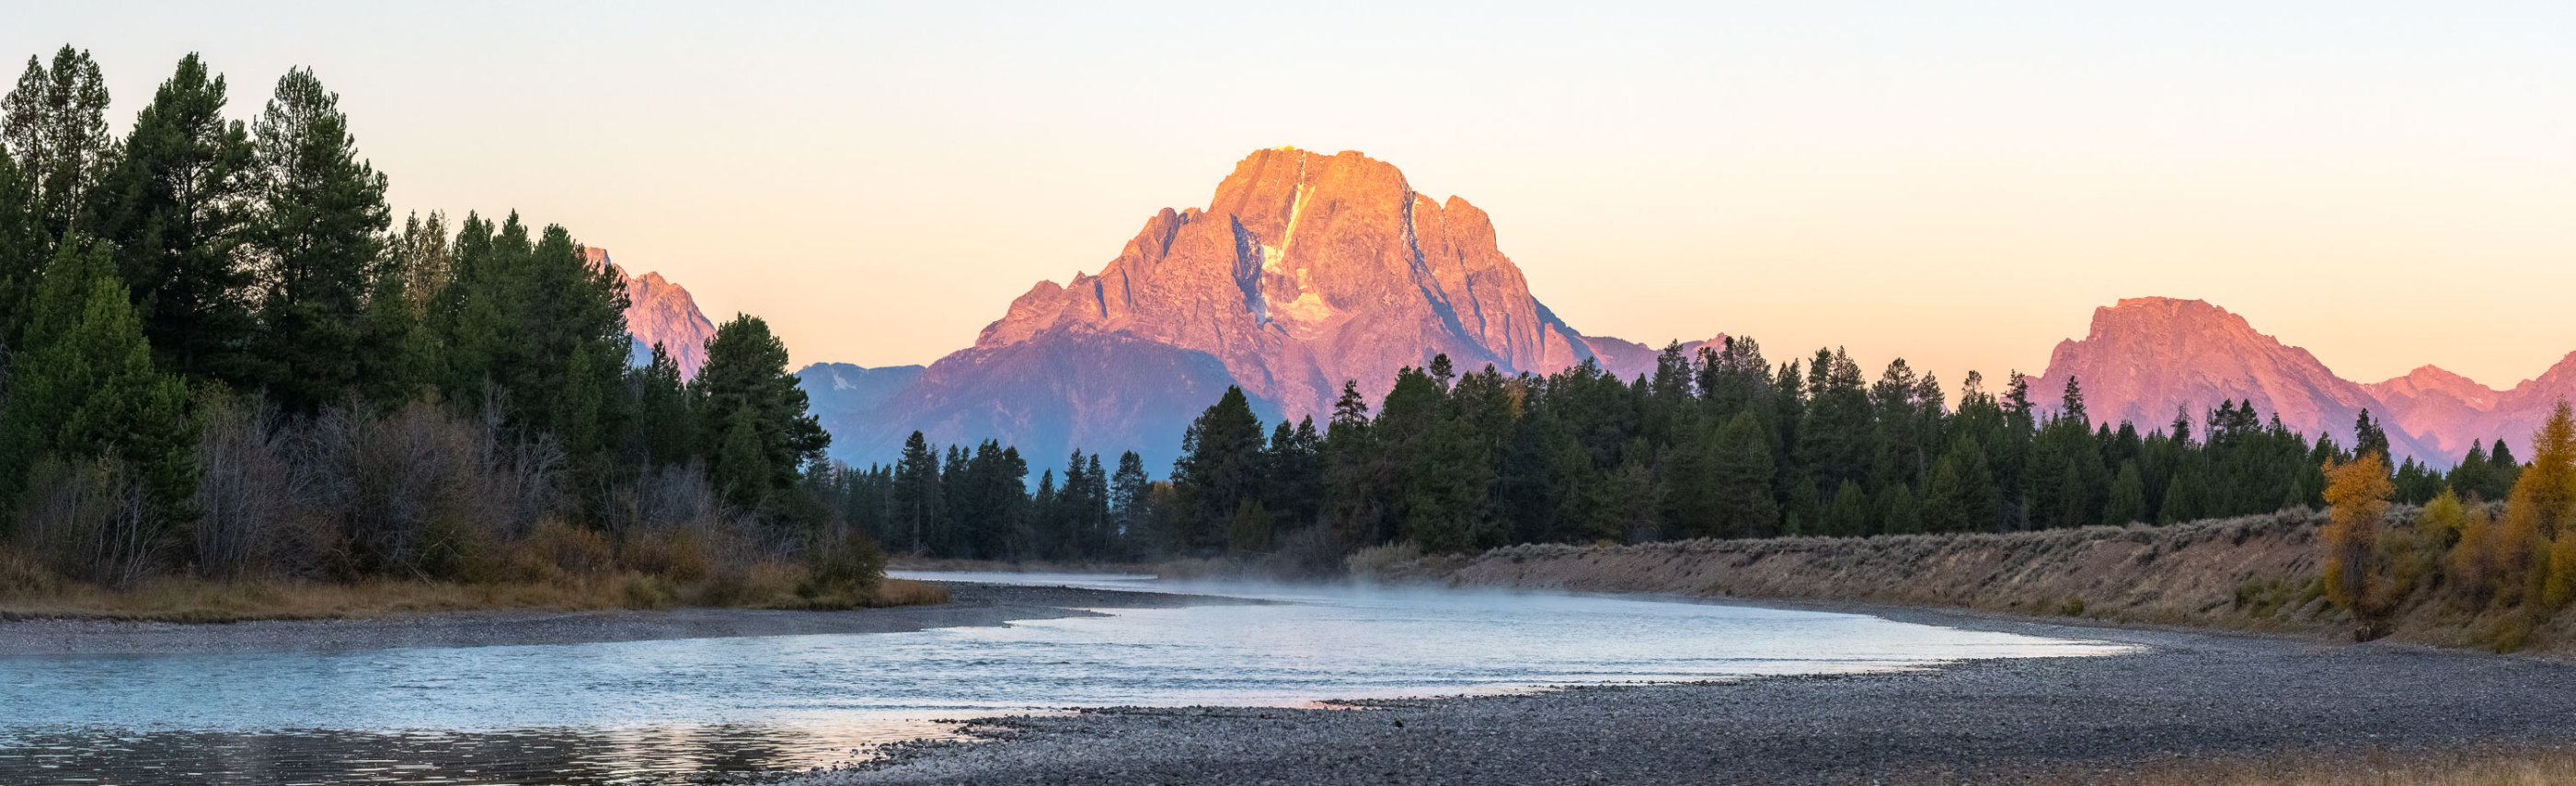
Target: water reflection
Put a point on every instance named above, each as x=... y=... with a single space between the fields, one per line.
x=671 y=710
x=677 y=754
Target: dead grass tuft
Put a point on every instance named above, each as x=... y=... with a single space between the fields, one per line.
x=2490 y=766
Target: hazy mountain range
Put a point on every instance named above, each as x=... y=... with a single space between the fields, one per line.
x=1306 y=270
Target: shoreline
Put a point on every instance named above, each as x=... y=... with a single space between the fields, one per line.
x=2186 y=692
x=970 y=605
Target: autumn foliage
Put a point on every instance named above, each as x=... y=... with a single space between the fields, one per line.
x=2509 y=569
x=2358 y=492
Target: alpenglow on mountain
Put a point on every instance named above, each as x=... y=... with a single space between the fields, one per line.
x=2147 y=358
x=1303 y=272
x=661 y=312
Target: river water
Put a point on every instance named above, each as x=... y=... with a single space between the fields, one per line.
x=672 y=711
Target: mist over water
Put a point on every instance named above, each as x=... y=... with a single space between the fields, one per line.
x=656 y=710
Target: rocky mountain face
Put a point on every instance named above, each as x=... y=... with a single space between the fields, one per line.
x=1304 y=271
x=661 y=312
x=2146 y=357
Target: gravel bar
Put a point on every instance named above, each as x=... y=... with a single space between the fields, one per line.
x=2184 y=693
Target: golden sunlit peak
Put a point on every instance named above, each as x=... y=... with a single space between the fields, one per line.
x=1286 y=148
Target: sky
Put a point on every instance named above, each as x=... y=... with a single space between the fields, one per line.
x=1956 y=183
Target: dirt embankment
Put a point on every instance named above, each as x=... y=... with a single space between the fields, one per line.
x=2251 y=572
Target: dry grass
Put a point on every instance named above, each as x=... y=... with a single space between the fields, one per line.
x=999 y=566
x=2250 y=572
x=2246 y=573
x=197 y=600
x=2493 y=766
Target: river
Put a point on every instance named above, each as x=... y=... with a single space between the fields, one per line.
x=661 y=711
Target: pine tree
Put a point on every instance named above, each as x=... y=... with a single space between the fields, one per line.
x=54 y=124
x=918 y=497
x=86 y=387
x=1130 y=497
x=1833 y=440
x=394 y=361
x=2128 y=500
x=177 y=206
x=316 y=240
x=745 y=386
x=1218 y=471
x=427 y=258
x=665 y=428
x=1849 y=513
x=1294 y=491
x=2368 y=437
x=2503 y=470
x=741 y=468
x=1688 y=481
x=1350 y=475
x=1961 y=495
x=1899 y=513
x=1741 y=470
x=22 y=251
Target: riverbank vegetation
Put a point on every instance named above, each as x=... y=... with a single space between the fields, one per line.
x=2502 y=574
x=223 y=368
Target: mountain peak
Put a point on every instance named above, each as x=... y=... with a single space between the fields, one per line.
x=2165 y=313
x=660 y=312
x=2146 y=358
x=1303 y=272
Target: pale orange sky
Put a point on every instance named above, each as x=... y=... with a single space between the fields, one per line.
x=1956 y=183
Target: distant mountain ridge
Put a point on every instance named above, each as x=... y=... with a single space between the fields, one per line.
x=1305 y=271
x=2146 y=358
x=1308 y=270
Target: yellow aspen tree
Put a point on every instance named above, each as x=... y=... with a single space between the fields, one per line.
x=2538 y=513
x=2475 y=561
x=2358 y=492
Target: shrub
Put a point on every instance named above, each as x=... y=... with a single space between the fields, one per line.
x=556 y=551
x=677 y=556
x=844 y=568
x=1377 y=560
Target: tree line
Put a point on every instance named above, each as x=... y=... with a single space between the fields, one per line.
x=1720 y=443
x=219 y=356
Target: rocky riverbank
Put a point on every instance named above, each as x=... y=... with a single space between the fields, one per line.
x=2183 y=693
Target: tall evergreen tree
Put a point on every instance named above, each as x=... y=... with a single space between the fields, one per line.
x=1130 y=498
x=749 y=397
x=1218 y=472
x=918 y=497
x=2368 y=437
x=322 y=212
x=22 y=251
x=1740 y=463
x=2128 y=497
x=665 y=427
x=54 y=124
x=177 y=205
x=86 y=387
x=1961 y=496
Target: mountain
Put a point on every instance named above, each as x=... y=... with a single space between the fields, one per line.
x=1304 y=271
x=2146 y=357
x=2452 y=411
x=661 y=312
x=841 y=395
